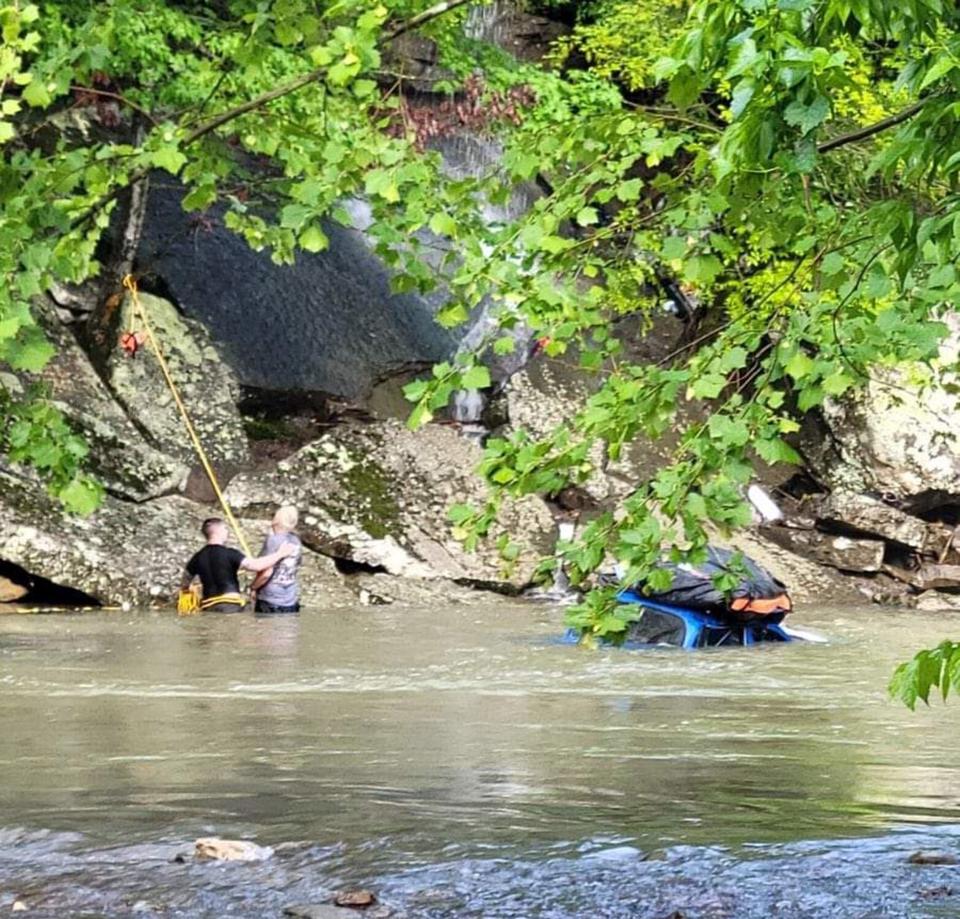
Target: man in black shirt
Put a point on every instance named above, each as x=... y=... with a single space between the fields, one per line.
x=218 y=567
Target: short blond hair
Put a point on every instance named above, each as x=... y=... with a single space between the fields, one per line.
x=286 y=518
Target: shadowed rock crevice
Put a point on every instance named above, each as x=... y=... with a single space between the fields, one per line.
x=23 y=588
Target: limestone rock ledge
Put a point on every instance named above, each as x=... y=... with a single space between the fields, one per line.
x=378 y=495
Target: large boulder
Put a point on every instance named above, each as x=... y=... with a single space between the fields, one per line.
x=896 y=437
x=207 y=385
x=120 y=455
x=378 y=495
x=328 y=323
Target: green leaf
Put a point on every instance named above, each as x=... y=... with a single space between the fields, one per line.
x=837 y=383
x=775 y=450
x=832 y=263
x=941 y=67
x=31 y=354
x=313 y=239
x=629 y=190
x=799 y=365
x=728 y=431
x=420 y=416
x=477 y=377
x=443 y=224
x=35 y=94
x=294 y=216
x=673 y=247
x=807 y=117
x=707 y=386
x=587 y=216
x=702 y=269
x=415 y=390
x=461 y=513
x=81 y=496
x=169 y=158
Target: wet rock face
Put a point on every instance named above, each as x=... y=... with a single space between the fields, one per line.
x=895 y=438
x=378 y=495
x=328 y=323
x=121 y=456
x=207 y=385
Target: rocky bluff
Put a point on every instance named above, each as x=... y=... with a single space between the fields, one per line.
x=878 y=499
x=292 y=377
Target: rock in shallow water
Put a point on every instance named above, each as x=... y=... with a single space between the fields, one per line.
x=933 y=858
x=212 y=848
x=124 y=552
x=356 y=899
x=327 y=911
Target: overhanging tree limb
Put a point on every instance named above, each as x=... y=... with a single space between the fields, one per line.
x=429 y=14
x=285 y=89
x=869 y=130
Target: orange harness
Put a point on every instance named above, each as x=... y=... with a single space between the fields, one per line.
x=781 y=604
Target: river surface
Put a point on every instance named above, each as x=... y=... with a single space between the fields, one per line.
x=464 y=763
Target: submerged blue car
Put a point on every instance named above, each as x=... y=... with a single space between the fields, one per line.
x=664 y=624
x=694 y=613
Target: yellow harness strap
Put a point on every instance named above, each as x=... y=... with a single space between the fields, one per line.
x=188 y=602
x=233 y=599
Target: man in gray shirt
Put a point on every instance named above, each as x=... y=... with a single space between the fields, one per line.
x=276 y=588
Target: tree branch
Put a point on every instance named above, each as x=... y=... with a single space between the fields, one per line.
x=285 y=89
x=433 y=12
x=871 y=129
x=118 y=97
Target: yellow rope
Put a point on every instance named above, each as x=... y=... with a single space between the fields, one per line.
x=130 y=284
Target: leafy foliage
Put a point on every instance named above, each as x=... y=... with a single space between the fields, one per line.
x=272 y=109
x=934 y=669
x=622 y=41
x=818 y=244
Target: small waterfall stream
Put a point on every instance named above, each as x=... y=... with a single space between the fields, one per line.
x=489 y=21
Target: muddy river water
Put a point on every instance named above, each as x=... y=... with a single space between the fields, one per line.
x=463 y=762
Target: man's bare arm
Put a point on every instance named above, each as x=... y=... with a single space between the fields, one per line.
x=268 y=561
x=261 y=579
